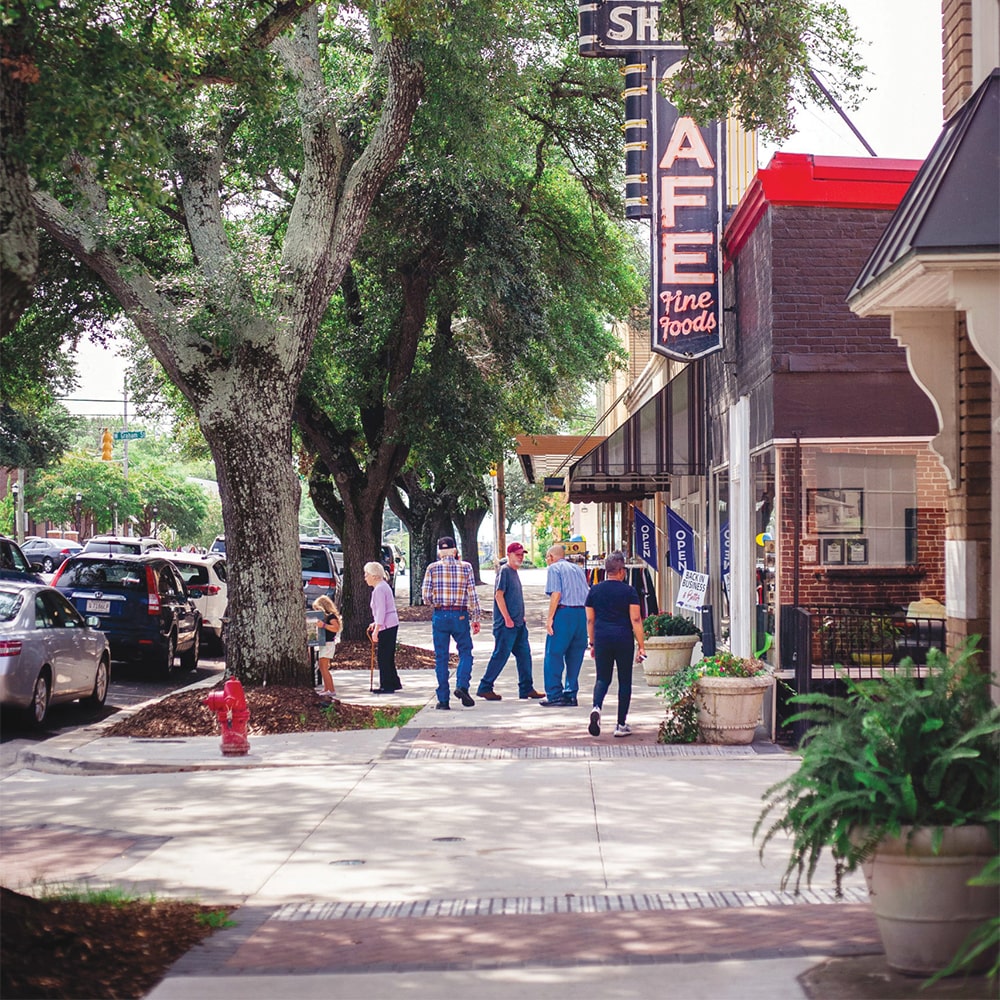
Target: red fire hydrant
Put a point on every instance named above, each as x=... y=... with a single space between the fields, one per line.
x=230 y=705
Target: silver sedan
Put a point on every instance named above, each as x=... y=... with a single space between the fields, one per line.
x=48 y=651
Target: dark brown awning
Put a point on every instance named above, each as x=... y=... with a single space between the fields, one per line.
x=662 y=438
x=545 y=455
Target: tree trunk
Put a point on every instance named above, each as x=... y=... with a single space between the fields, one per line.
x=260 y=503
x=468 y=522
x=18 y=227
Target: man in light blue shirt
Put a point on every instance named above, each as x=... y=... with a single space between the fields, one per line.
x=566 y=624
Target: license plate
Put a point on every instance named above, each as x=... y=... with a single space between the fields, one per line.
x=99 y=607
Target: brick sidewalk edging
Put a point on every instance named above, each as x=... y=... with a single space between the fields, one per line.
x=264 y=944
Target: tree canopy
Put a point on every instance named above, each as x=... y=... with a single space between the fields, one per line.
x=215 y=166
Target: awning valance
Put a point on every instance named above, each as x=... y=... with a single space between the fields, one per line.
x=662 y=438
x=544 y=455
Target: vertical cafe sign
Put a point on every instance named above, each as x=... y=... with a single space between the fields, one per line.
x=680 y=166
x=687 y=190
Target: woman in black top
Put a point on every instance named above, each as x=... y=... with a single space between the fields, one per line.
x=614 y=626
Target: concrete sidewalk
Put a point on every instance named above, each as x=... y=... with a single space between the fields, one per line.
x=497 y=851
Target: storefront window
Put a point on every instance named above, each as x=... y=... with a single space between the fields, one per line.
x=863 y=509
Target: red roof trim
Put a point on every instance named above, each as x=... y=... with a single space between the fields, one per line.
x=802 y=179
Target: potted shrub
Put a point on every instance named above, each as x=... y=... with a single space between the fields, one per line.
x=865 y=639
x=716 y=700
x=875 y=640
x=901 y=777
x=670 y=640
x=729 y=693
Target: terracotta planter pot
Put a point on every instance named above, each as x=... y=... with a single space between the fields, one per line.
x=666 y=655
x=729 y=708
x=922 y=903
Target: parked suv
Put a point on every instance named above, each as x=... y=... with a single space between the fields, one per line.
x=14 y=564
x=124 y=544
x=141 y=603
x=319 y=574
x=207 y=585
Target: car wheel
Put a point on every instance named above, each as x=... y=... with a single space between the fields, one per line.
x=48 y=565
x=101 y=681
x=39 y=707
x=189 y=660
x=166 y=663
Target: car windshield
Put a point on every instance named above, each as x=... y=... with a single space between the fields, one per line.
x=10 y=604
x=131 y=548
x=315 y=561
x=109 y=574
x=193 y=573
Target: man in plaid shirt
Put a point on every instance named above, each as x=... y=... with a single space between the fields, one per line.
x=450 y=588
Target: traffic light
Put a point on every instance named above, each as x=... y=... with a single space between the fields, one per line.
x=107 y=445
x=493 y=469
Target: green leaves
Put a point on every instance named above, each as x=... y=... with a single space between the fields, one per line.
x=916 y=747
x=754 y=59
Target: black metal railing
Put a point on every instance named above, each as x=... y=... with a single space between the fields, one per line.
x=869 y=640
x=818 y=643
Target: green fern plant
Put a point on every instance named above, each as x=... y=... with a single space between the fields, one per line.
x=902 y=750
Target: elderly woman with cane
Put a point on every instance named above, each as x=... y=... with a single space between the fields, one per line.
x=384 y=628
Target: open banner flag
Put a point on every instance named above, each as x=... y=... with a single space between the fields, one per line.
x=681 y=534
x=645 y=539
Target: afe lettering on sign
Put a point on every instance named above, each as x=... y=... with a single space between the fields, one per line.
x=687 y=210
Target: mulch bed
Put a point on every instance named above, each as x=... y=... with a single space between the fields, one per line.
x=273 y=709
x=61 y=948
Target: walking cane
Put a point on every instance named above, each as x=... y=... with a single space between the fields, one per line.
x=371 y=672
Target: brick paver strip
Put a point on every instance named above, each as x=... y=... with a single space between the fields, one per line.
x=705 y=934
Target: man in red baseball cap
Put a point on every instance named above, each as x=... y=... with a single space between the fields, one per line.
x=510 y=633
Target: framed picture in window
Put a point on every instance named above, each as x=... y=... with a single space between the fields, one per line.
x=838 y=510
x=857 y=551
x=834 y=551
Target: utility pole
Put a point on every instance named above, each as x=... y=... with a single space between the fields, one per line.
x=501 y=512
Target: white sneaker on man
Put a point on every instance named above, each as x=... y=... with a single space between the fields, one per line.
x=623 y=729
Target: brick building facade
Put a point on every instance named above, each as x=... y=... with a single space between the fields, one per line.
x=829 y=413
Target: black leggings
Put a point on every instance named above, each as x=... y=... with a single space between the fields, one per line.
x=606 y=656
x=388 y=678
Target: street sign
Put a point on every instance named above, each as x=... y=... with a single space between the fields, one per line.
x=128 y=435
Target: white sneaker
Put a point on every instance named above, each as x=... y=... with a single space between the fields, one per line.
x=623 y=729
x=595 y=722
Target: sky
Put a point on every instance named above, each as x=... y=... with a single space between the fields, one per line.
x=900 y=118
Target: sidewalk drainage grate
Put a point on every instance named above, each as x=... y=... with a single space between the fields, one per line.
x=624 y=903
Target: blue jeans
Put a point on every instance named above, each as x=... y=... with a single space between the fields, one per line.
x=607 y=655
x=564 y=651
x=506 y=641
x=446 y=625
